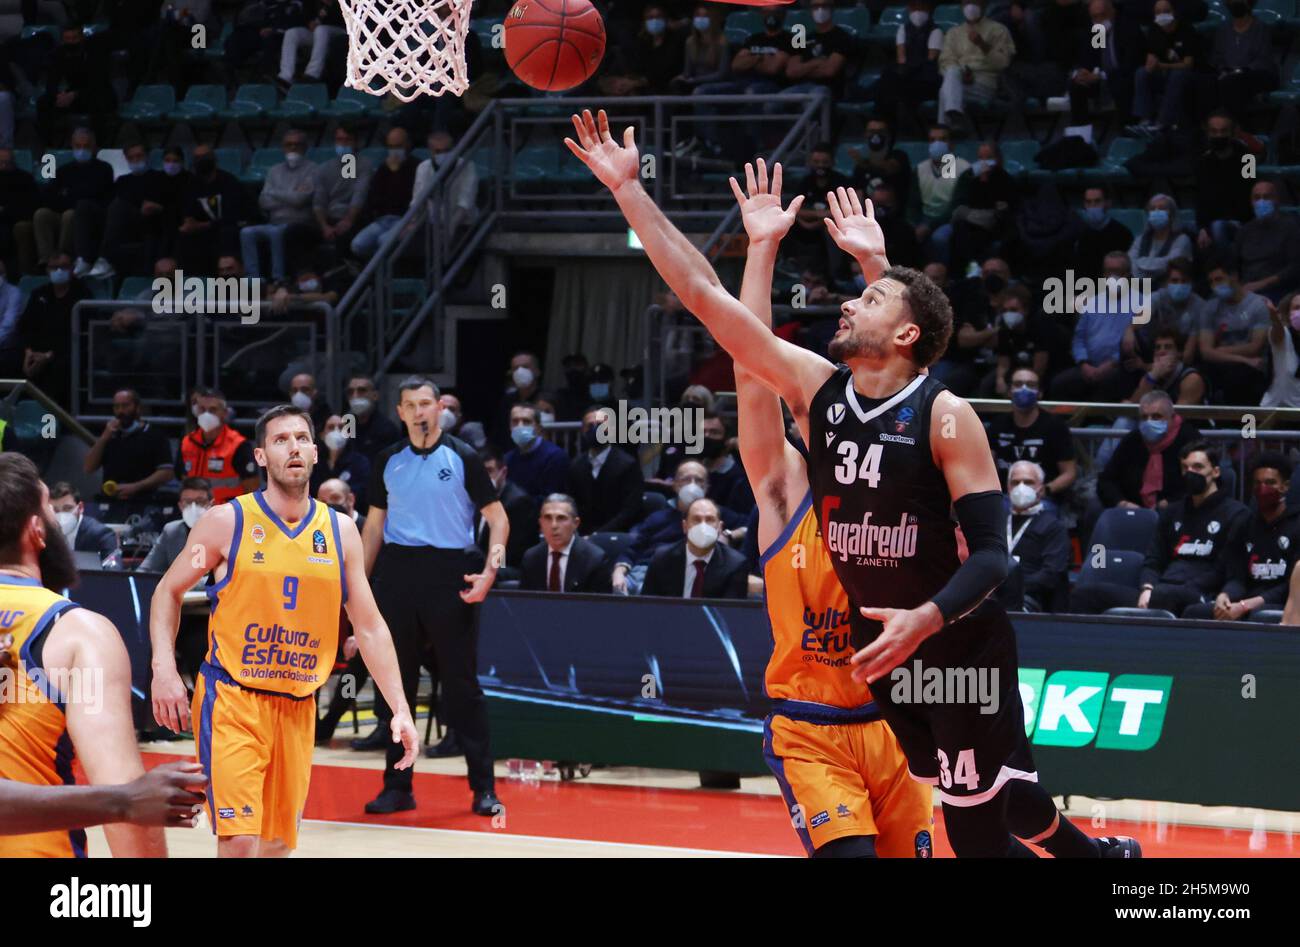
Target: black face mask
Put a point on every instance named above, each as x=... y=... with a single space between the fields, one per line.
x=205 y=165
x=1221 y=145
x=1195 y=483
x=577 y=379
x=58 y=567
x=590 y=441
x=713 y=447
x=994 y=284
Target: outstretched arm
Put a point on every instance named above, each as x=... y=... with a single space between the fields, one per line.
x=854 y=229
x=792 y=372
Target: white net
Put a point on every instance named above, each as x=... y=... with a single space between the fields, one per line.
x=407 y=47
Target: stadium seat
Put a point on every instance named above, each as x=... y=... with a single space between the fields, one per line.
x=735 y=35
x=614 y=544
x=1112 y=167
x=1267 y=616
x=376 y=154
x=133 y=286
x=750 y=21
x=29 y=284
x=151 y=103
x=948 y=15
x=353 y=103
x=1122 y=567
x=202 y=105
x=857 y=20
x=407 y=295
x=1290 y=91
x=652 y=502
x=885 y=32
x=23 y=160
x=28 y=419
x=1134 y=218
x=1126 y=612
x=1121 y=528
x=252 y=102
x=1019 y=156
x=304 y=100
x=320 y=155
x=217 y=49
x=262 y=161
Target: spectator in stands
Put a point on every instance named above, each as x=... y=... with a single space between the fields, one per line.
x=84 y=533
x=1222 y=187
x=694 y=398
x=388 y=196
x=454 y=422
x=520 y=507
x=1097 y=346
x=1024 y=341
x=1259 y=563
x=818 y=67
x=168 y=51
x=1052 y=33
x=536 y=465
x=286 y=201
x=305 y=396
x=138 y=213
x=728 y=484
x=573 y=396
x=563 y=561
x=690 y=483
x=305 y=288
x=758 y=68
x=1242 y=58
x=1104 y=66
x=1164 y=369
x=461 y=194
x=373 y=430
x=809 y=236
x=913 y=76
x=72 y=216
x=75 y=85
x=211 y=213
x=339 y=197
x=324 y=25
x=604 y=480
x=882 y=163
x=1176 y=306
x=338 y=459
x=974 y=57
x=11 y=310
x=1187 y=559
x=698 y=566
x=1234 y=336
x=1268 y=247
x=705 y=54
x=1102 y=233
x=1036 y=539
x=18 y=202
x=524 y=382
x=650 y=64
x=338 y=495
x=1171 y=52
x=1284 y=343
x=1029 y=433
x=900 y=236
x=261 y=30
x=135 y=455
x=1144 y=470
x=936 y=181
x=1160 y=241
x=963 y=364
x=218 y=452
x=985 y=205
x=45 y=330
x=195 y=500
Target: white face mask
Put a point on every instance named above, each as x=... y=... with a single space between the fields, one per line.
x=1023 y=496
x=359 y=405
x=1013 y=318
x=522 y=377
x=971 y=12
x=209 y=421
x=702 y=535
x=301 y=400
x=821 y=15
x=689 y=493
x=192 y=513
x=335 y=440
x=68 y=522
x=1164 y=19
x=447 y=420
x=919 y=18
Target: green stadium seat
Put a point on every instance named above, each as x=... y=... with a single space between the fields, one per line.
x=353 y=103
x=150 y=103
x=23 y=160
x=1134 y=218
x=262 y=161
x=735 y=35
x=29 y=284
x=798 y=18
x=133 y=286
x=1112 y=167
x=483 y=28
x=885 y=32
x=407 y=295
x=857 y=20
x=750 y=21
x=303 y=100
x=376 y=153
x=47 y=28
x=230 y=159
x=916 y=151
x=948 y=15
x=217 y=49
x=1290 y=91
x=1019 y=156
x=321 y=155
x=252 y=102
x=203 y=105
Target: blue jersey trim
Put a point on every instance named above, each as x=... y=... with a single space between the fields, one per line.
x=338 y=547
x=808 y=711
x=6 y=579
x=205 y=736
x=795 y=519
x=215 y=588
x=777 y=766
x=271 y=514
x=37 y=671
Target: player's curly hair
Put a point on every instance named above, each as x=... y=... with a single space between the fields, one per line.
x=930 y=309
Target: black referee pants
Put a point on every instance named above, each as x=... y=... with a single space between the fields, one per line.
x=418 y=590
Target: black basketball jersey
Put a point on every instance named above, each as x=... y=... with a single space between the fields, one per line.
x=882 y=502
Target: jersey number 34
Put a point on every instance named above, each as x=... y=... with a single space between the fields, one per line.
x=848 y=469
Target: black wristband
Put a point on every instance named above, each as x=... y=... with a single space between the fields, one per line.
x=983 y=522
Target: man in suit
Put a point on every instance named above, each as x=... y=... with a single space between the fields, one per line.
x=1037 y=540
x=564 y=561
x=1108 y=63
x=84 y=533
x=605 y=481
x=196 y=497
x=521 y=511
x=698 y=566
x=337 y=494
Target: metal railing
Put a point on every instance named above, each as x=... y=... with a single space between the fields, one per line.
x=17 y=387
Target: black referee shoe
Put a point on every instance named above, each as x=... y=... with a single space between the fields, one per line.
x=390 y=801
x=1119 y=846
x=487 y=803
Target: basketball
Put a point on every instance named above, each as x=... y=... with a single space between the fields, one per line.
x=554 y=45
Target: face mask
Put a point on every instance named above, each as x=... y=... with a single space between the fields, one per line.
x=335 y=440
x=1268 y=498
x=192 y=513
x=702 y=23
x=821 y=15
x=1263 y=208
x=971 y=12
x=81 y=154
x=1158 y=219
x=360 y=405
x=993 y=284
x=1221 y=144
x=1024 y=398
x=1195 y=483
x=1223 y=291
x=1295 y=319
x=523 y=435
x=713 y=447
x=919 y=18
x=522 y=377
x=1164 y=19
x=1179 y=292
x=655 y=26
x=689 y=493
x=209 y=421
x=342 y=150
x=60 y=276
x=591 y=438
x=172 y=168
x=309 y=286
x=546 y=417
x=205 y=165
x=1095 y=216
x=1013 y=318
x=937 y=150
x=300 y=400
x=1023 y=496
x=292 y=159
x=138 y=167
x=982 y=165
x=447 y=420
x=1152 y=431
x=876 y=142
x=397 y=154
x=598 y=389
x=68 y=521
x=702 y=535
x=129 y=426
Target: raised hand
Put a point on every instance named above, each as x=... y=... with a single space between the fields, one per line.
x=614 y=165
x=855 y=231
x=761 y=211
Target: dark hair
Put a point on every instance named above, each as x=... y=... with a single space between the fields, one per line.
x=64 y=489
x=197 y=483
x=415 y=383
x=930 y=310
x=1105 y=190
x=135 y=395
x=20 y=499
x=1183 y=265
x=530 y=406
x=280 y=411
x=825 y=147
x=1170 y=332
x=1224 y=260
x=1270 y=459
x=1212 y=453
x=493 y=453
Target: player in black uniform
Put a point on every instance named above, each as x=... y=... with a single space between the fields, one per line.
x=892 y=454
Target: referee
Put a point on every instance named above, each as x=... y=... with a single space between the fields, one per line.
x=420 y=551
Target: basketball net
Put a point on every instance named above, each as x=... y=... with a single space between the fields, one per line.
x=409 y=48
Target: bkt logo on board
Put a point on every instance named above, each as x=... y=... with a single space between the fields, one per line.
x=1076 y=708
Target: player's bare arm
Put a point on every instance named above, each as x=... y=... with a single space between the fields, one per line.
x=960 y=449
x=87 y=663
x=853 y=226
x=792 y=372
x=775 y=469
x=167 y=795
x=480 y=583
x=375 y=641
x=207 y=547
x=372 y=537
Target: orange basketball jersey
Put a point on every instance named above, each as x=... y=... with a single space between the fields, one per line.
x=809 y=616
x=34 y=743
x=275 y=613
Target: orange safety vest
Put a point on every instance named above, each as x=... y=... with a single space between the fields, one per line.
x=215 y=462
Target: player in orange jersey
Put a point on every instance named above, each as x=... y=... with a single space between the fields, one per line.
x=284 y=565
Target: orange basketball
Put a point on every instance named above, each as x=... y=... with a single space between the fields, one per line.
x=554 y=45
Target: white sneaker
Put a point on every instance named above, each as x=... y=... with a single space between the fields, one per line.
x=102 y=268
x=80 y=268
